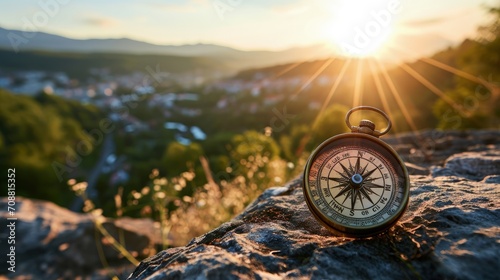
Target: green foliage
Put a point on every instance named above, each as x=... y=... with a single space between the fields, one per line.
x=473 y=105
x=252 y=143
x=36 y=132
x=78 y=65
x=330 y=123
x=475 y=114
x=179 y=158
x=251 y=151
x=293 y=144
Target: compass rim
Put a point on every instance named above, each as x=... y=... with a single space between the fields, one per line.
x=358 y=231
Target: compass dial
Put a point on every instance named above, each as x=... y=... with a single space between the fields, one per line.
x=356 y=185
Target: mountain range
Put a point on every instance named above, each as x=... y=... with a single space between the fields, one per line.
x=234 y=59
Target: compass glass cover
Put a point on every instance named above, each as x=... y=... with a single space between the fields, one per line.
x=356 y=185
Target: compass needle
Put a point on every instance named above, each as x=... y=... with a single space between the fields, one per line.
x=363 y=170
x=358 y=193
x=357 y=166
x=339 y=180
x=345 y=170
x=351 y=169
x=343 y=191
x=371 y=179
x=372 y=185
x=363 y=191
x=343 y=176
x=370 y=191
x=354 y=195
x=340 y=185
x=369 y=173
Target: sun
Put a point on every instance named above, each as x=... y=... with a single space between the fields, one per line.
x=361 y=28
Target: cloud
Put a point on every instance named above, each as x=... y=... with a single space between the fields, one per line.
x=291 y=9
x=101 y=21
x=426 y=22
x=435 y=20
x=179 y=6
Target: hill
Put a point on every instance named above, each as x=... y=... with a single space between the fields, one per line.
x=237 y=59
x=414 y=95
x=22 y=41
x=77 y=65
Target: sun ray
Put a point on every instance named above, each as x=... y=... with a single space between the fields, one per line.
x=260 y=84
x=288 y=69
x=383 y=97
x=492 y=87
x=332 y=90
x=358 y=85
x=396 y=96
x=433 y=62
x=453 y=70
x=282 y=72
x=314 y=76
x=409 y=120
x=381 y=93
x=432 y=88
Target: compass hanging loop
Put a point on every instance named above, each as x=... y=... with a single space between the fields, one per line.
x=367 y=126
x=354 y=183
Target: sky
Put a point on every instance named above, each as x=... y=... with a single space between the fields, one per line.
x=248 y=24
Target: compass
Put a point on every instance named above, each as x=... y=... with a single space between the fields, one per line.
x=355 y=184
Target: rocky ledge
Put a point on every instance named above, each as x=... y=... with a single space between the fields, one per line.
x=451 y=229
x=54 y=243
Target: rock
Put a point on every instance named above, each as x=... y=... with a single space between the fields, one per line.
x=451 y=230
x=433 y=147
x=473 y=165
x=414 y=169
x=54 y=243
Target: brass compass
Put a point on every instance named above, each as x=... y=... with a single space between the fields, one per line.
x=355 y=184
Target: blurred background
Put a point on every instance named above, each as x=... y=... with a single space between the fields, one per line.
x=183 y=112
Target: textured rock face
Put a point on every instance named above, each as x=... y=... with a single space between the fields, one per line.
x=451 y=229
x=55 y=243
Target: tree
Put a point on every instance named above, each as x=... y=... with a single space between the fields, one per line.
x=35 y=133
x=330 y=123
x=179 y=158
x=476 y=105
x=251 y=151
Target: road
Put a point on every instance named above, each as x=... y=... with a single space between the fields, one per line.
x=108 y=148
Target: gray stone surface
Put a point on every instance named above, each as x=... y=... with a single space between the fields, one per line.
x=474 y=165
x=451 y=229
x=55 y=243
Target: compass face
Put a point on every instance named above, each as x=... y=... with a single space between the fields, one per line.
x=356 y=185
